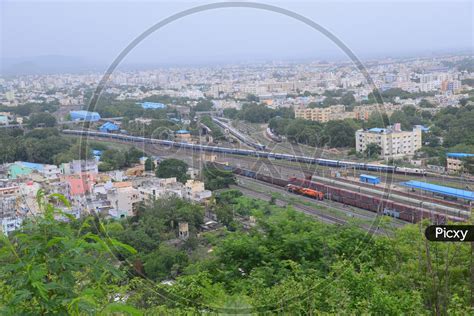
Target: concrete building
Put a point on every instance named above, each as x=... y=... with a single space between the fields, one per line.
x=322 y=115
x=4 y=120
x=8 y=201
x=80 y=166
x=123 y=199
x=159 y=188
x=79 y=184
x=183 y=135
x=455 y=163
x=194 y=191
x=155 y=188
x=337 y=112
x=394 y=142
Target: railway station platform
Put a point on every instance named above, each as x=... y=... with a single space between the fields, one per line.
x=441 y=190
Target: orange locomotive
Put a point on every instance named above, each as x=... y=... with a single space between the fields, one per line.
x=305 y=191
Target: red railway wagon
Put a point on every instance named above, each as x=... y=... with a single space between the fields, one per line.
x=413 y=195
x=375 y=204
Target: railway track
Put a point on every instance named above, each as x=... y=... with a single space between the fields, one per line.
x=347 y=210
x=317 y=172
x=313 y=212
x=305 y=209
x=286 y=166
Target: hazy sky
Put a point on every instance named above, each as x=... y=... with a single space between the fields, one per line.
x=98 y=31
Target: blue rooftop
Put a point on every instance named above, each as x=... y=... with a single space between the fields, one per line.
x=369 y=176
x=463 y=194
x=31 y=165
x=84 y=116
x=377 y=130
x=459 y=155
x=96 y=152
x=109 y=126
x=182 y=131
x=152 y=105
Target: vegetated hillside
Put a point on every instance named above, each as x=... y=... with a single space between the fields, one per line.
x=286 y=262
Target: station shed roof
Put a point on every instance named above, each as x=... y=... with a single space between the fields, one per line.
x=448 y=191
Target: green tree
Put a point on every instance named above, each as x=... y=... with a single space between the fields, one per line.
x=348 y=99
x=372 y=150
x=377 y=119
x=252 y=98
x=203 y=105
x=215 y=178
x=48 y=267
x=468 y=164
x=170 y=168
x=339 y=134
x=41 y=119
x=149 y=164
x=164 y=262
x=425 y=104
x=230 y=113
x=402 y=118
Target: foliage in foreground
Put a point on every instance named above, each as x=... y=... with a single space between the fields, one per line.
x=49 y=267
x=286 y=262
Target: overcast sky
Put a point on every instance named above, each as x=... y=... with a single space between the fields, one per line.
x=98 y=31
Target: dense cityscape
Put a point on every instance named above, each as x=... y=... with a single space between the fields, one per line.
x=289 y=187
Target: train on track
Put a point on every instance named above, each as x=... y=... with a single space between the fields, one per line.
x=415 y=200
x=305 y=191
x=375 y=204
x=244 y=139
x=253 y=153
x=270 y=134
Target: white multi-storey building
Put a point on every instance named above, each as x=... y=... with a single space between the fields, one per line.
x=394 y=142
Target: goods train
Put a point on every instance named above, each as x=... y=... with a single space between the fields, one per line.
x=430 y=204
x=254 y=153
x=379 y=205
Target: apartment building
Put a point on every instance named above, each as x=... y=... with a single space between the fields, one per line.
x=394 y=142
x=455 y=161
x=123 y=199
x=9 y=197
x=322 y=115
x=337 y=112
x=194 y=190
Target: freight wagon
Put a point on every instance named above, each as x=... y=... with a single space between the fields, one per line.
x=378 y=205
